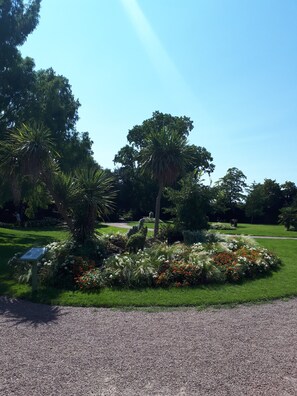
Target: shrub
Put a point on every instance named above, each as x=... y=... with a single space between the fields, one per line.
x=136 y=241
x=20 y=270
x=221 y=226
x=130 y=270
x=91 y=280
x=45 y=222
x=222 y=259
x=170 y=233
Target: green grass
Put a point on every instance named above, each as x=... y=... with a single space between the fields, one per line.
x=261 y=230
x=105 y=229
x=280 y=284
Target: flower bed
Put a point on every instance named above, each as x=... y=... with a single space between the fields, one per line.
x=225 y=260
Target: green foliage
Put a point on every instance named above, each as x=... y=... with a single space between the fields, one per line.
x=137 y=241
x=190 y=203
x=132 y=231
x=229 y=192
x=222 y=226
x=158 y=147
x=266 y=199
x=130 y=270
x=288 y=217
x=90 y=281
x=93 y=196
x=281 y=284
x=165 y=156
x=139 y=133
x=43 y=223
x=191 y=237
x=255 y=202
x=170 y=233
x=17 y=20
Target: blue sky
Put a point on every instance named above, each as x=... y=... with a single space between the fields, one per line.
x=229 y=65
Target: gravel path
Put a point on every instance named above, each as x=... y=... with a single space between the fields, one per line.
x=247 y=350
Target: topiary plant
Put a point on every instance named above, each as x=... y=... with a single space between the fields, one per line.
x=137 y=241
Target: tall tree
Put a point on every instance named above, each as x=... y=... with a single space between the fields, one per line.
x=165 y=155
x=17 y=20
x=136 y=190
x=138 y=134
x=255 y=202
x=289 y=193
x=273 y=201
x=230 y=190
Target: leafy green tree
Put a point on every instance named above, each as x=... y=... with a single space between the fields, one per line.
x=255 y=202
x=138 y=134
x=273 y=201
x=289 y=193
x=42 y=96
x=264 y=202
x=17 y=20
x=288 y=217
x=165 y=155
x=190 y=203
x=137 y=192
x=230 y=191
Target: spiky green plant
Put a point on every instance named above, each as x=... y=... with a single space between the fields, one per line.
x=165 y=155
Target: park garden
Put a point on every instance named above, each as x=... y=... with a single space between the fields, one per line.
x=55 y=195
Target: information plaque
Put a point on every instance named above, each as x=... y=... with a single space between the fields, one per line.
x=34 y=254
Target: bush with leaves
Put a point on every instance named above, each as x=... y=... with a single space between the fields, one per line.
x=130 y=270
x=90 y=281
x=221 y=226
x=219 y=259
x=137 y=241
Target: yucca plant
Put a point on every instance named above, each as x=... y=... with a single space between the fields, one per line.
x=93 y=197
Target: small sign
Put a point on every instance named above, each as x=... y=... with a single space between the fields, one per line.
x=34 y=254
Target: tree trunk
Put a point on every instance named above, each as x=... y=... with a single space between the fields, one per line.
x=157 y=210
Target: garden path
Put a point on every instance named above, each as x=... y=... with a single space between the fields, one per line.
x=127 y=226
x=247 y=350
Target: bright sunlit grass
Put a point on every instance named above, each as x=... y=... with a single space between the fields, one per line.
x=261 y=230
x=280 y=284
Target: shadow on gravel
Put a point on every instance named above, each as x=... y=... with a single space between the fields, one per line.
x=18 y=312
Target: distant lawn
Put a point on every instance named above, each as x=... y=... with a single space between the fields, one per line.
x=261 y=230
x=246 y=229
x=279 y=285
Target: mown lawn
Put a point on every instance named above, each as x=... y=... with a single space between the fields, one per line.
x=278 y=285
x=261 y=230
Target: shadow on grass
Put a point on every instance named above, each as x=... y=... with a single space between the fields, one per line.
x=25 y=239
x=17 y=312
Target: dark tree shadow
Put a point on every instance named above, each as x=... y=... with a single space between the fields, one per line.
x=18 y=312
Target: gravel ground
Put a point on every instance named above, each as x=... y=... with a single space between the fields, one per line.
x=247 y=350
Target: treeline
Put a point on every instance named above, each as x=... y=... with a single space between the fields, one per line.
x=229 y=198
x=157 y=172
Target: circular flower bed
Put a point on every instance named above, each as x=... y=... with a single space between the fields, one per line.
x=224 y=259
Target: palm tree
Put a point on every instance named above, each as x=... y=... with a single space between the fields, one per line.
x=29 y=151
x=93 y=197
x=165 y=155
